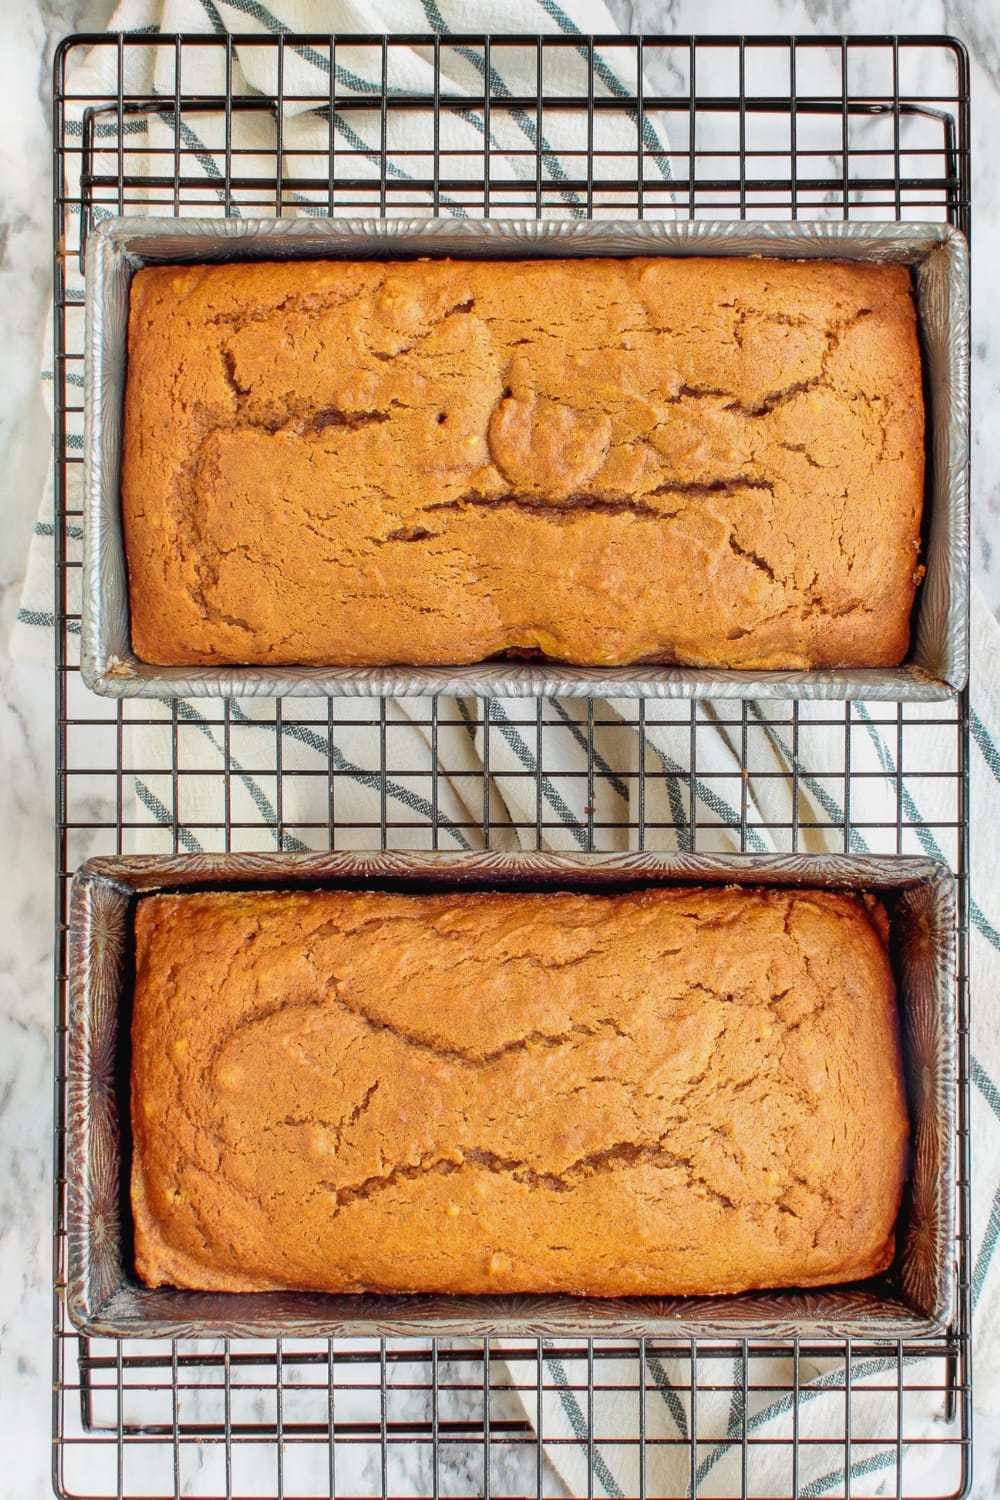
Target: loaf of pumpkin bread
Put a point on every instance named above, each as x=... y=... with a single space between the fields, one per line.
x=710 y=462
x=665 y=1091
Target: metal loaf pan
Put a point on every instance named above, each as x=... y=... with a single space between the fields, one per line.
x=938 y=661
x=104 y=1297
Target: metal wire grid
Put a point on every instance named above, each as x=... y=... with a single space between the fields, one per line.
x=720 y=126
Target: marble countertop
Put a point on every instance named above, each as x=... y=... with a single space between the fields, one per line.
x=32 y=28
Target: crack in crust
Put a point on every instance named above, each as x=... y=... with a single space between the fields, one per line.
x=622 y=1155
x=329 y=989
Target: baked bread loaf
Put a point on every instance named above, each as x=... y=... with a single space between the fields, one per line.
x=669 y=1091
x=711 y=462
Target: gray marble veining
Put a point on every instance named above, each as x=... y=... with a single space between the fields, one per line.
x=31 y=29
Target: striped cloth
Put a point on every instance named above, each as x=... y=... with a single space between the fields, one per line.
x=811 y=759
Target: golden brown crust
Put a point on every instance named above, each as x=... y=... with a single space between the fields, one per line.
x=713 y=462
x=669 y=1091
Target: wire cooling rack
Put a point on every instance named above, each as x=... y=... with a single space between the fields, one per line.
x=714 y=127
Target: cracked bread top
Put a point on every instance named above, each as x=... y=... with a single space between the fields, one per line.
x=667 y=1091
x=711 y=462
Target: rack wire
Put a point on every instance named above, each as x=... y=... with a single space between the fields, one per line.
x=870 y=127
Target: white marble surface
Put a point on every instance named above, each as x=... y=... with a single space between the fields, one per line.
x=29 y=29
